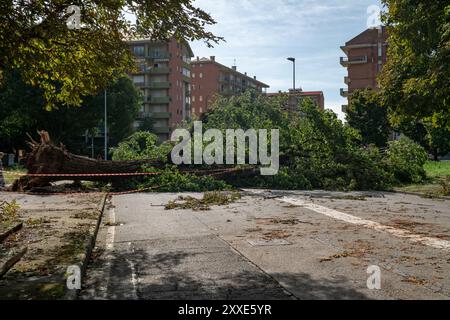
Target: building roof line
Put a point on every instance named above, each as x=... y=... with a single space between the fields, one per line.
x=206 y=60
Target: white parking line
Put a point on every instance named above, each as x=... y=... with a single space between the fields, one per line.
x=401 y=233
x=111 y=229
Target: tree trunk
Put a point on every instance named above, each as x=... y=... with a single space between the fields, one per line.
x=46 y=158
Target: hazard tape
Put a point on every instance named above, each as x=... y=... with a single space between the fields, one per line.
x=12 y=173
x=80 y=174
x=212 y=172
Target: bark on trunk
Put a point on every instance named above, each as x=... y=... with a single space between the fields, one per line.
x=46 y=158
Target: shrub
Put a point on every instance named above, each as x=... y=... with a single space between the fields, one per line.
x=405 y=160
x=141 y=145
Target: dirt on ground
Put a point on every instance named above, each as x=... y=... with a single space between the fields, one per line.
x=55 y=232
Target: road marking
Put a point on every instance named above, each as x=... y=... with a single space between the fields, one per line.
x=134 y=278
x=401 y=233
x=111 y=230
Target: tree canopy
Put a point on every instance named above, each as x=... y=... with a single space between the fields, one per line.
x=22 y=111
x=365 y=114
x=415 y=82
x=69 y=63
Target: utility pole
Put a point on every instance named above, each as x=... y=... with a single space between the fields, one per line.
x=106 y=129
x=293 y=62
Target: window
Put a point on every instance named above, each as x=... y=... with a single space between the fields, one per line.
x=193 y=110
x=193 y=75
x=193 y=98
x=200 y=98
x=138 y=79
x=201 y=75
x=201 y=110
x=139 y=50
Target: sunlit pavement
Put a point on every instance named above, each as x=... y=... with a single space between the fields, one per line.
x=274 y=245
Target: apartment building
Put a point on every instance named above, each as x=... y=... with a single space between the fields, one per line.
x=364 y=60
x=296 y=97
x=163 y=76
x=210 y=78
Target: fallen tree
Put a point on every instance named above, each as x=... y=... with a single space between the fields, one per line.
x=56 y=163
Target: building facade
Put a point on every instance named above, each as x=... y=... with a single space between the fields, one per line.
x=210 y=78
x=163 y=75
x=364 y=60
x=296 y=97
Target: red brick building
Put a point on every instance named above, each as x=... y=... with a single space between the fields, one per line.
x=163 y=76
x=365 y=57
x=210 y=78
x=294 y=99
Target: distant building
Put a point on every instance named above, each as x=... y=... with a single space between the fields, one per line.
x=164 y=76
x=295 y=98
x=364 y=60
x=210 y=78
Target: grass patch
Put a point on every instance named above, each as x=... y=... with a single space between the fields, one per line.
x=437 y=169
x=214 y=198
x=438 y=180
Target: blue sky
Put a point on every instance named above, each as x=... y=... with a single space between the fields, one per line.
x=261 y=34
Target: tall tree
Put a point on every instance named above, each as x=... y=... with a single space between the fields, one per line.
x=22 y=111
x=365 y=114
x=70 y=60
x=415 y=82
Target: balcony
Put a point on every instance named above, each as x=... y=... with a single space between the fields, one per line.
x=160 y=115
x=159 y=56
x=345 y=62
x=186 y=65
x=161 y=129
x=159 y=85
x=344 y=93
x=159 y=70
x=155 y=115
x=347 y=80
x=157 y=100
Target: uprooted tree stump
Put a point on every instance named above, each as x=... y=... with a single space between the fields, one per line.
x=47 y=158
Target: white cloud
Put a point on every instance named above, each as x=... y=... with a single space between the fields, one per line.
x=260 y=34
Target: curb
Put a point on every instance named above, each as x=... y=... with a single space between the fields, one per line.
x=422 y=195
x=84 y=258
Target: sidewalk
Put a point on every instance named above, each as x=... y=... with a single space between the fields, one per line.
x=58 y=231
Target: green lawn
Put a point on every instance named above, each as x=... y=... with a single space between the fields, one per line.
x=437 y=169
x=438 y=174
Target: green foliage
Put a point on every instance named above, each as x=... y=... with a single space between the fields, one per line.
x=209 y=199
x=9 y=211
x=415 y=82
x=22 y=111
x=141 y=145
x=365 y=114
x=406 y=160
x=316 y=150
x=171 y=180
x=69 y=64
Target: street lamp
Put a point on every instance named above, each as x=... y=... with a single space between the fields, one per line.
x=106 y=129
x=293 y=62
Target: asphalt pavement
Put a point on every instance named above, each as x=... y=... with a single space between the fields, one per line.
x=274 y=245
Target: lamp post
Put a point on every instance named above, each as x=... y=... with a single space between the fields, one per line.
x=106 y=129
x=293 y=62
